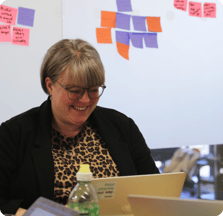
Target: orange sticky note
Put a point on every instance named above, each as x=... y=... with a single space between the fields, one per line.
x=108 y=19
x=195 y=9
x=104 y=35
x=153 y=24
x=20 y=36
x=210 y=10
x=5 y=33
x=123 y=50
x=180 y=4
x=8 y=14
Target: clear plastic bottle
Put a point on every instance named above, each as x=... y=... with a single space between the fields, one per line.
x=83 y=197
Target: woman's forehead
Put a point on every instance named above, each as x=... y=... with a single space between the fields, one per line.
x=71 y=83
x=76 y=83
x=71 y=80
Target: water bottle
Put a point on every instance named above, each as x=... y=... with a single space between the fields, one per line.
x=83 y=197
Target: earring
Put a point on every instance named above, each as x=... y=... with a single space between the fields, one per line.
x=51 y=97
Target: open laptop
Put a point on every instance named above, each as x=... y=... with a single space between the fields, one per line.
x=170 y=206
x=46 y=207
x=113 y=192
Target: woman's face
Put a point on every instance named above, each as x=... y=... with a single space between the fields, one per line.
x=66 y=111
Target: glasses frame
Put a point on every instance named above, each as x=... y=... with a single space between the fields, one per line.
x=84 y=89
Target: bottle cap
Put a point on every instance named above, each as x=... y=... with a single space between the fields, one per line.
x=84 y=173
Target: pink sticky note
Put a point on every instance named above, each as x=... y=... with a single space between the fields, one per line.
x=5 y=33
x=195 y=9
x=20 y=36
x=210 y=10
x=180 y=4
x=8 y=14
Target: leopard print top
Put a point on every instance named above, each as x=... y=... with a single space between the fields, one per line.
x=69 y=152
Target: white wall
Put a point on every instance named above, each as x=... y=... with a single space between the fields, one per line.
x=20 y=65
x=174 y=93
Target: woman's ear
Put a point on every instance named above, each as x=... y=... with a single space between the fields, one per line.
x=49 y=85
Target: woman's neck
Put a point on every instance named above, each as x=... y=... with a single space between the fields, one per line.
x=67 y=130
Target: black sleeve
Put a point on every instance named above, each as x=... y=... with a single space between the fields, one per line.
x=8 y=167
x=140 y=151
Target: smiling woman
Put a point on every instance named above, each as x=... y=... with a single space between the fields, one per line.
x=41 y=150
x=71 y=63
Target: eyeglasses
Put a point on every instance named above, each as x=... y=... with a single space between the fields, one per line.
x=76 y=93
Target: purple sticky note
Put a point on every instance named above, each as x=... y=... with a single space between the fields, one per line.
x=123 y=21
x=139 y=23
x=122 y=37
x=151 y=40
x=136 y=39
x=124 y=5
x=25 y=16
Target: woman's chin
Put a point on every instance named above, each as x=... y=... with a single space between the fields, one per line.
x=79 y=123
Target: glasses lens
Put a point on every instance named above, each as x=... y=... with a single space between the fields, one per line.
x=95 y=92
x=75 y=93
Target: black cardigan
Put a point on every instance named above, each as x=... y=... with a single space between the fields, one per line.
x=26 y=162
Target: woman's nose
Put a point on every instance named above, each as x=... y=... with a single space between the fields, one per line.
x=85 y=97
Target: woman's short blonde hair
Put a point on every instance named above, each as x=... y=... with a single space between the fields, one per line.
x=80 y=59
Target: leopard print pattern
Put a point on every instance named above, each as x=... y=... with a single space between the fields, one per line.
x=69 y=152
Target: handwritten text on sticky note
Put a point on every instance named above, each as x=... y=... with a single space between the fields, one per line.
x=20 y=36
x=195 y=9
x=180 y=4
x=5 y=33
x=210 y=10
x=8 y=14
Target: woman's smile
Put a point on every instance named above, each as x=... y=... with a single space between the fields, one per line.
x=79 y=108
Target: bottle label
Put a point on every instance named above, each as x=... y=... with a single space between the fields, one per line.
x=86 y=209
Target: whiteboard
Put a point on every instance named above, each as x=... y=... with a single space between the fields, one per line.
x=20 y=65
x=174 y=93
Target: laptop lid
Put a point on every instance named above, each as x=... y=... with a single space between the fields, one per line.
x=113 y=192
x=170 y=206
